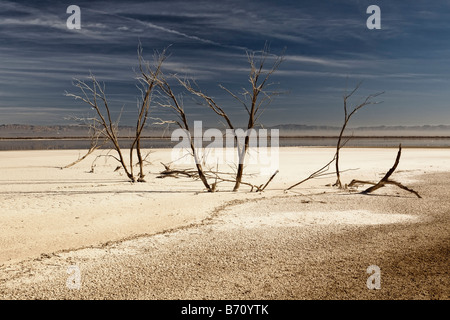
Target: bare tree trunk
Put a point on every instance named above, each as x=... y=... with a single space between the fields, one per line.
x=141 y=161
x=338 y=148
x=240 y=169
x=201 y=174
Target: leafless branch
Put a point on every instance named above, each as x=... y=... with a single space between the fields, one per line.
x=385 y=180
x=347 y=116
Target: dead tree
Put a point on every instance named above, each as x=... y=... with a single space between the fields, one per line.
x=347 y=116
x=340 y=143
x=148 y=79
x=254 y=100
x=94 y=95
x=175 y=103
x=385 y=180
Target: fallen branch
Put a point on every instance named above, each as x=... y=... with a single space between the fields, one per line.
x=168 y=172
x=313 y=175
x=322 y=171
x=91 y=149
x=267 y=183
x=385 y=180
x=191 y=173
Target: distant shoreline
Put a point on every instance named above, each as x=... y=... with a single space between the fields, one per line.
x=84 y=143
x=281 y=137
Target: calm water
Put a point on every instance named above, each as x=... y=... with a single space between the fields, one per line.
x=55 y=144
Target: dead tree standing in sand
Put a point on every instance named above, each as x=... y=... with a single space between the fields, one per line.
x=104 y=126
x=176 y=105
x=254 y=101
x=340 y=143
x=347 y=116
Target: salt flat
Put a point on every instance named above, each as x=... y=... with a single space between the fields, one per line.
x=191 y=244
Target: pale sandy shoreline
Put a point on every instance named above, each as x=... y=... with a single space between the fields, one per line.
x=46 y=210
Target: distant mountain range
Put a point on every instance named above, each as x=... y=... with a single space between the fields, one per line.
x=77 y=131
x=425 y=130
x=302 y=127
x=60 y=131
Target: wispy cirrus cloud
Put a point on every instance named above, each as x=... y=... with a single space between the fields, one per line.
x=327 y=43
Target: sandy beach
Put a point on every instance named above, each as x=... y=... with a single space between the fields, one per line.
x=169 y=239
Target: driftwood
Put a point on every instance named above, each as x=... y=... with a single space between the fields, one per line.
x=218 y=176
x=259 y=188
x=385 y=180
x=168 y=172
x=322 y=171
x=91 y=150
x=315 y=174
x=268 y=181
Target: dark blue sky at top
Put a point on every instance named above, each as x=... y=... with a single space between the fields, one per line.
x=328 y=50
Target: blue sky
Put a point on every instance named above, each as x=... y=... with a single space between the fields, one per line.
x=328 y=49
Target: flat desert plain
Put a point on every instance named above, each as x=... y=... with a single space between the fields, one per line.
x=76 y=234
